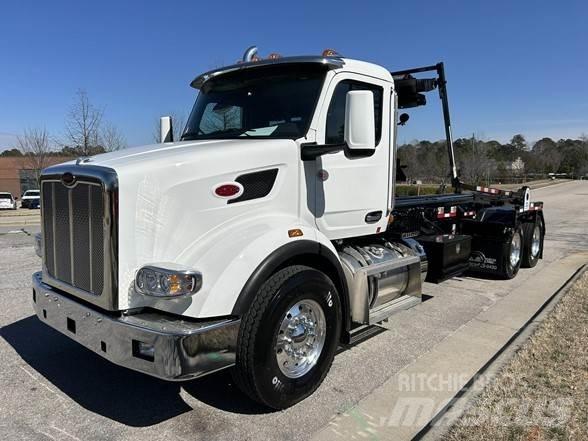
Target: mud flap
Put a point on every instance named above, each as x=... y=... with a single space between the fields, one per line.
x=490 y=246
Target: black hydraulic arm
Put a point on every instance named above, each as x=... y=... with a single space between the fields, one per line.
x=441 y=84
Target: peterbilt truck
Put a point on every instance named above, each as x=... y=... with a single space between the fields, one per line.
x=270 y=234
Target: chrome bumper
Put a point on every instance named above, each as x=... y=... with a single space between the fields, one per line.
x=176 y=349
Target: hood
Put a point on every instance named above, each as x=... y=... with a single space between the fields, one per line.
x=168 y=150
x=168 y=211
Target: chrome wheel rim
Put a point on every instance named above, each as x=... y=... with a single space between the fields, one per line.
x=536 y=241
x=301 y=338
x=515 y=249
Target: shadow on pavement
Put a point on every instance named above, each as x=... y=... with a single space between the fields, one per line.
x=112 y=391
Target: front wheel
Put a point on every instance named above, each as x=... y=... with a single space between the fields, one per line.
x=288 y=337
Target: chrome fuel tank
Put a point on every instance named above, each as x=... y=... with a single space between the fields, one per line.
x=381 y=274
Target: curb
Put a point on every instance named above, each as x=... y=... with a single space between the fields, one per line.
x=462 y=400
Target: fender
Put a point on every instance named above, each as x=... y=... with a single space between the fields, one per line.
x=300 y=251
x=239 y=255
x=500 y=215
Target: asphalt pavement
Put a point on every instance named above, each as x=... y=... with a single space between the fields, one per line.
x=52 y=388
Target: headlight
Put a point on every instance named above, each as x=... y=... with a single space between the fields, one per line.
x=167 y=282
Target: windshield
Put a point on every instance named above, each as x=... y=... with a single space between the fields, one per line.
x=265 y=102
x=32 y=193
x=5 y=196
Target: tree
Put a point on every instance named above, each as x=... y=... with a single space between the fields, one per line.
x=86 y=132
x=111 y=139
x=490 y=161
x=11 y=152
x=519 y=143
x=35 y=146
x=574 y=156
x=82 y=126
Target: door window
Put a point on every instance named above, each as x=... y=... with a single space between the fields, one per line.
x=335 y=129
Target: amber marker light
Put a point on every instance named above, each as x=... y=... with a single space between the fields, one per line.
x=330 y=53
x=296 y=232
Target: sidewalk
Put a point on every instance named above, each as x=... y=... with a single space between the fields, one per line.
x=403 y=405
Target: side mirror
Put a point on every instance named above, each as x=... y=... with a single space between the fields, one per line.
x=403 y=119
x=166 y=133
x=360 y=126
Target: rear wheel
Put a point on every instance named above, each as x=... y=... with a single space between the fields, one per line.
x=288 y=337
x=514 y=254
x=533 y=241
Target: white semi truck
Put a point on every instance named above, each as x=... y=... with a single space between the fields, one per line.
x=270 y=233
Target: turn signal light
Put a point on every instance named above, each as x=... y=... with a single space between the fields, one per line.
x=295 y=232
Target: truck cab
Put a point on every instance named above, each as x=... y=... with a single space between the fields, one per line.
x=259 y=241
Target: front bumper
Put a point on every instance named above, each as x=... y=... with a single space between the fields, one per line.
x=181 y=350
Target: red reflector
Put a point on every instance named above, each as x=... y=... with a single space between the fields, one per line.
x=226 y=190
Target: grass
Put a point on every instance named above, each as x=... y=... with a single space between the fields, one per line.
x=542 y=393
x=420 y=189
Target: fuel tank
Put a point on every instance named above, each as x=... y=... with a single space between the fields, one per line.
x=382 y=274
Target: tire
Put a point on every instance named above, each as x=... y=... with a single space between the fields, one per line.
x=533 y=243
x=511 y=268
x=261 y=346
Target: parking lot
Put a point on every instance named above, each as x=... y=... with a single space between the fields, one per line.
x=11 y=220
x=51 y=388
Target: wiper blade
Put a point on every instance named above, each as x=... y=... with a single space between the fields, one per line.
x=217 y=134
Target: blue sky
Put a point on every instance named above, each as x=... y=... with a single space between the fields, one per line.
x=512 y=66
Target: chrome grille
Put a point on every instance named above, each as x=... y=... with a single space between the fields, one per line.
x=73 y=226
x=79 y=209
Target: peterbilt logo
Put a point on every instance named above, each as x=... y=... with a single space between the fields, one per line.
x=68 y=179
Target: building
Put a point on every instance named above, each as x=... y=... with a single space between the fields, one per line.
x=16 y=175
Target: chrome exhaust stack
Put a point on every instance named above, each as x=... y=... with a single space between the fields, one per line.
x=249 y=54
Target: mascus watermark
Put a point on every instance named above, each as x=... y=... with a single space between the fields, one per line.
x=419 y=411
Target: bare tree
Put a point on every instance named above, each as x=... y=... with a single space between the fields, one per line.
x=36 y=148
x=111 y=138
x=82 y=126
x=475 y=164
x=178 y=124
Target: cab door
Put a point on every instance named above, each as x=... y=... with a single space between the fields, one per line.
x=352 y=191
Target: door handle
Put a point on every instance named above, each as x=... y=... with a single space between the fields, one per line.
x=373 y=216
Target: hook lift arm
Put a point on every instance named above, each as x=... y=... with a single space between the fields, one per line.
x=408 y=89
